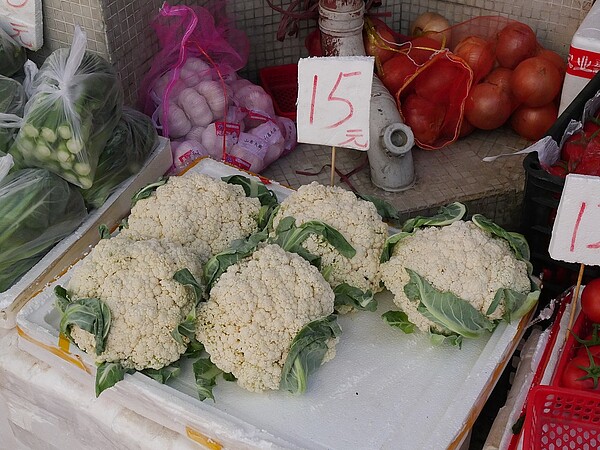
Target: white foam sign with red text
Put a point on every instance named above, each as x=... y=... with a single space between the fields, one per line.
x=334 y=99
x=576 y=231
x=22 y=20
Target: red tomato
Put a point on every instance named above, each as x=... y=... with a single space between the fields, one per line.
x=590 y=300
x=559 y=169
x=572 y=151
x=582 y=373
x=424 y=117
x=589 y=165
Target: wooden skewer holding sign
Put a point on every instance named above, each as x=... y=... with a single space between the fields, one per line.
x=575 y=298
x=332 y=166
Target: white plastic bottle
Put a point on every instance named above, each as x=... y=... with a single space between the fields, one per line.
x=584 y=57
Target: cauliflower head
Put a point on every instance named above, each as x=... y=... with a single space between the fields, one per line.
x=135 y=280
x=196 y=211
x=357 y=219
x=255 y=310
x=460 y=258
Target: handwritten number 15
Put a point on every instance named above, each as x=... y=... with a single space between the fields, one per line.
x=332 y=98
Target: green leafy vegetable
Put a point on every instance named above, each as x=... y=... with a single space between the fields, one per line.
x=129 y=146
x=399 y=319
x=385 y=209
x=517 y=241
x=12 y=106
x=75 y=105
x=89 y=314
x=307 y=352
x=346 y=295
x=185 y=277
x=290 y=237
x=390 y=243
x=12 y=55
x=37 y=210
x=238 y=250
x=107 y=375
x=256 y=189
x=165 y=374
x=147 y=190
x=104 y=231
x=439 y=339
x=445 y=308
x=287 y=236
x=445 y=216
x=206 y=373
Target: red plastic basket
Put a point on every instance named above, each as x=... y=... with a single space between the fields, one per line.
x=281 y=83
x=560 y=418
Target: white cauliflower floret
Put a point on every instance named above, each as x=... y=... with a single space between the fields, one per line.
x=255 y=310
x=460 y=258
x=135 y=280
x=196 y=211
x=356 y=219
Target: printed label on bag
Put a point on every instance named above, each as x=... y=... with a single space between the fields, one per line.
x=583 y=63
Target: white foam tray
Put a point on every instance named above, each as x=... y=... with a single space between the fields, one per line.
x=383 y=390
x=72 y=247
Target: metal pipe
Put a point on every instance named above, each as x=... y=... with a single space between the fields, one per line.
x=390 y=156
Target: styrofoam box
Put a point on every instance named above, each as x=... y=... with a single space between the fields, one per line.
x=384 y=389
x=72 y=247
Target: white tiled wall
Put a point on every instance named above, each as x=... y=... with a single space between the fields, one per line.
x=120 y=29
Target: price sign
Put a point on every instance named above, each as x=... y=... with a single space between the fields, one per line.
x=576 y=231
x=22 y=20
x=334 y=98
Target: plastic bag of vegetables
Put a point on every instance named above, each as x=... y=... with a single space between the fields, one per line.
x=37 y=209
x=12 y=105
x=132 y=141
x=12 y=55
x=76 y=104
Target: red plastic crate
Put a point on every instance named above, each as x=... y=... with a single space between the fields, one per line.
x=560 y=418
x=281 y=83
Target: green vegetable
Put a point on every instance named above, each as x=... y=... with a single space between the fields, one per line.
x=165 y=374
x=446 y=309
x=107 y=375
x=445 y=216
x=89 y=314
x=12 y=106
x=287 y=235
x=147 y=190
x=385 y=209
x=12 y=55
x=206 y=373
x=37 y=210
x=398 y=319
x=346 y=295
x=75 y=105
x=255 y=189
x=131 y=143
x=307 y=352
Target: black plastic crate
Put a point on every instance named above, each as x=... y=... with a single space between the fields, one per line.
x=540 y=202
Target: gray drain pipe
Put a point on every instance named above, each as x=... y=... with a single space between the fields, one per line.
x=390 y=155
